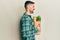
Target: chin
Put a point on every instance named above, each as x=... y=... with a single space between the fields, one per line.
x=32 y=12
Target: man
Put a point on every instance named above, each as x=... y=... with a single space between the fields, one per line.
x=28 y=29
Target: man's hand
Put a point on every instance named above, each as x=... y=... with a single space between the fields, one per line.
x=37 y=25
x=35 y=22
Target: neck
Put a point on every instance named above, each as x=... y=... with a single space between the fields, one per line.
x=28 y=12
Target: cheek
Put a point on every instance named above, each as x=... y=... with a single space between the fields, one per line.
x=32 y=8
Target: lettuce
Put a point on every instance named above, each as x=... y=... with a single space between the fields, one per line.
x=38 y=18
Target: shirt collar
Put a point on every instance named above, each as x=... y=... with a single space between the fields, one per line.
x=27 y=14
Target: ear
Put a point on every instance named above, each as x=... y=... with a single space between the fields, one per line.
x=29 y=6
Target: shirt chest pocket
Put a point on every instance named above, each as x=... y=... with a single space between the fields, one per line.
x=31 y=21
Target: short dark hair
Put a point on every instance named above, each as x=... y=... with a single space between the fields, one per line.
x=27 y=3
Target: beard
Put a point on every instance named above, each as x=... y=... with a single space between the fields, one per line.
x=31 y=12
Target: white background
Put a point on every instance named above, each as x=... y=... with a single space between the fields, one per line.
x=12 y=10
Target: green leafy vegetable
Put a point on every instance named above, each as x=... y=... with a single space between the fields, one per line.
x=38 y=18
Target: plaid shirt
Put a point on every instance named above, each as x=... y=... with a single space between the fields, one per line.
x=27 y=27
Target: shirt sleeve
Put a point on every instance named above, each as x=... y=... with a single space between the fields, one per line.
x=36 y=30
x=25 y=27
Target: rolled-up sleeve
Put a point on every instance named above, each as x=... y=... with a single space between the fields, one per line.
x=36 y=30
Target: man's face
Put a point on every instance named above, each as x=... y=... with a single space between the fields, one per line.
x=31 y=8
